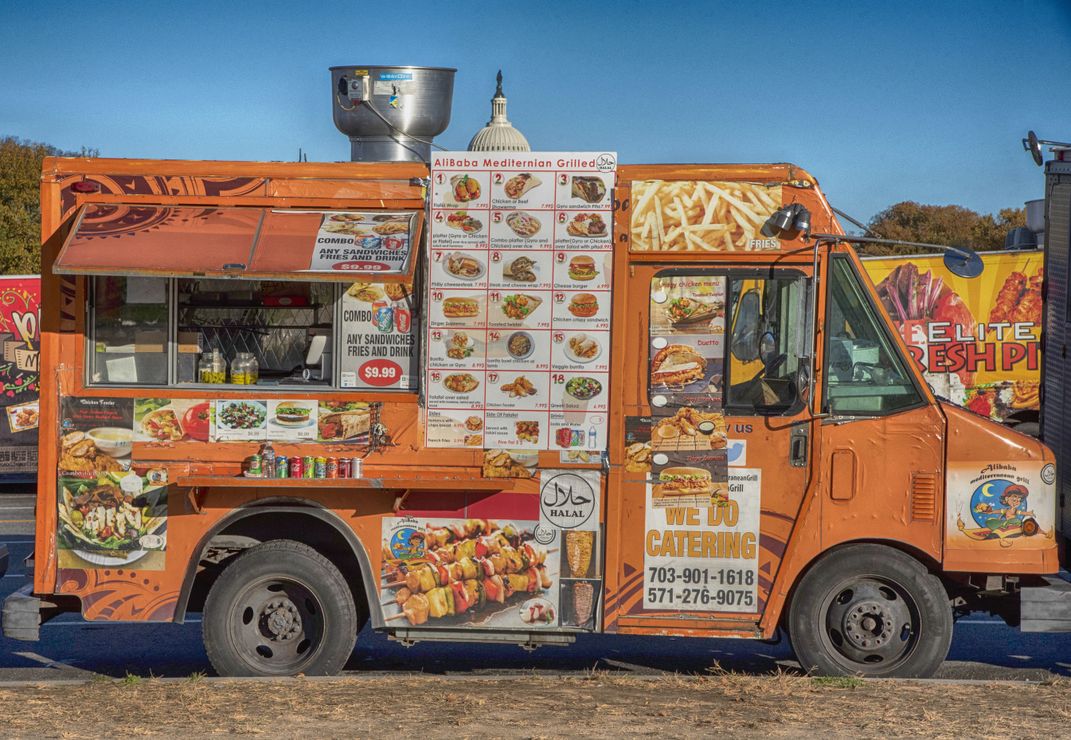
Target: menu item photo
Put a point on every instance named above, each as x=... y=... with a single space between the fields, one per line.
x=520 y=345
x=518 y=185
x=520 y=270
x=584 y=305
x=460 y=382
x=343 y=421
x=582 y=348
x=457 y=307
x=583 y=388
x=519 y=306
x=588 y=189
x=523 y=224
x=464 y=266
x=587 y=224
x=462 y=221
x=582 y=267
x=465 y=188
x=677 y=365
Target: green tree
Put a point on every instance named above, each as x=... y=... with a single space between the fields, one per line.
x=20 y=207
x=955 y=225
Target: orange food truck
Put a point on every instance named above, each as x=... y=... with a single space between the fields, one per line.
x=772 y=456
x=515 y=397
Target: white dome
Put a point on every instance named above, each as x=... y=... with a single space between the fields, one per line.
x=499 y=135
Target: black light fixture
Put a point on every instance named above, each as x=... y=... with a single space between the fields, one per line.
x=788 y=221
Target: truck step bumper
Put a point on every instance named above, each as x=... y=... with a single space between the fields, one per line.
x=1046 y=608
x=22 y=615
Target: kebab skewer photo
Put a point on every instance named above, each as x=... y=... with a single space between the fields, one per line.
x=465 y=567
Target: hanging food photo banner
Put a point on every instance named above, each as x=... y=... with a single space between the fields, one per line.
x=519 y=290
x=369 y=243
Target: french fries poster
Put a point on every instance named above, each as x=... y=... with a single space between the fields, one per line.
x=700 y=216
x=976 y=340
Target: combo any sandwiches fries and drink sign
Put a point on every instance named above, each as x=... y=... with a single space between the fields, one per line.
x=519 y=297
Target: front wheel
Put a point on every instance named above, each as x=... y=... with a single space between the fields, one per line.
x=870 y=610
x=279 y=609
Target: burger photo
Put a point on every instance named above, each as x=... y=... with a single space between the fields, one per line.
x=582 y=267
x=583 y=305
x=683 y=481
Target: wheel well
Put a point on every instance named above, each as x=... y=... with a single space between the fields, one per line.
x=251 y=526
x=930 y=564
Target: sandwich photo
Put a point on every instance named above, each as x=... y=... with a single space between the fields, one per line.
x=460 y=308
x=584 y=305
x=589 y=189
x=463 y=266
x=292 y=414
x=677 y=365
x=582 y=267
x=518 y=185
x=341 y=421
x=683 y=481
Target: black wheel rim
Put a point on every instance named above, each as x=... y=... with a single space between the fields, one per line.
x=277 y=626
x=870 y=624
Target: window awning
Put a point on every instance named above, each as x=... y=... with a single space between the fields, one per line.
x=245 y=243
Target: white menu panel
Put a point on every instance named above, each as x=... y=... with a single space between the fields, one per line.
x=519 y=289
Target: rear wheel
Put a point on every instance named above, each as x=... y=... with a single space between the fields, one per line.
x=279 y=609
x=870 y=610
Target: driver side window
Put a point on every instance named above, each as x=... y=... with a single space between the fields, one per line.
x=769 y=347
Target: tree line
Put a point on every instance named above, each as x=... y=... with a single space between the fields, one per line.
x=20 y=214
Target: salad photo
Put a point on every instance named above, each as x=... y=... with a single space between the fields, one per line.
x=242 y=415
x=112 y=519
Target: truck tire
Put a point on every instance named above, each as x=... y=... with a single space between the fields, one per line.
x=870 y=610
x=279 y=609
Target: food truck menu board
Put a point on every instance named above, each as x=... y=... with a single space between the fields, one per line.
x=519 y=288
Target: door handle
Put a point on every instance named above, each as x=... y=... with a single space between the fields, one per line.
x=798 y=445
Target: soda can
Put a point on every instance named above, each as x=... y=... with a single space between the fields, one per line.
x=383 y=316
x=254 y=469
x=321 y=468
x=355 y=467
x=332 y=467
x=344 y=467
x=369 y=242
x=394 y=242
x=308 y=464
x=282 y=467
x=297 y=468
x=403 y=320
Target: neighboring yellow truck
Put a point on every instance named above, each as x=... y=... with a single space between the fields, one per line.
x=977 y=341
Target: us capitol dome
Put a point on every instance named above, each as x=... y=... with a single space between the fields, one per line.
x=499 y=135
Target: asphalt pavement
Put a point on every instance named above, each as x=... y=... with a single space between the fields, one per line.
x=982 y=648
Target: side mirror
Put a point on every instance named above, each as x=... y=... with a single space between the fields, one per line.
x=767 y=348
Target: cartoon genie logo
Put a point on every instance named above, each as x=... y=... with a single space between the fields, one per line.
x=406 y=543
x=1001 y=510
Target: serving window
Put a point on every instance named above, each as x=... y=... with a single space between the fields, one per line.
x=212 y=332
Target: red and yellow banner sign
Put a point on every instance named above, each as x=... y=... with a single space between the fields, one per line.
x=976 y=340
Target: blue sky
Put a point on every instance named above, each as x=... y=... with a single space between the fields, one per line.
x=882 y=101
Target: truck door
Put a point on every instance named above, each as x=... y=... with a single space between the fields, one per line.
x=882 y=435
x=716 y=445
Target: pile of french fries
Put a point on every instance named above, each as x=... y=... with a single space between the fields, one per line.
x=695 y=216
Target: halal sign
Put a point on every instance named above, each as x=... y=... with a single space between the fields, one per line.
x=567 y=501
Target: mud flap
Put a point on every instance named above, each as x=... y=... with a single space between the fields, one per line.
x=22 y=615
x=1046 y=608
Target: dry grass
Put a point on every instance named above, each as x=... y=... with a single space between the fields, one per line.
x=598 y=705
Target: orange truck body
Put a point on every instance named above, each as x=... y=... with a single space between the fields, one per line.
x=903 y=479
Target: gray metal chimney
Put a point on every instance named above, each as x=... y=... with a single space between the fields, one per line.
x=391 y=113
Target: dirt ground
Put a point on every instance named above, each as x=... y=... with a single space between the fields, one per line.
x=599 y=705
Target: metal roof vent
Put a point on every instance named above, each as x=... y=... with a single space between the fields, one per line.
x=391 y=114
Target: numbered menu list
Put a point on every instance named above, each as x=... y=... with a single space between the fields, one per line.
x=520 y=280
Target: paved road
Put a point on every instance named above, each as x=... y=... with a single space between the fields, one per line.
x=70 y=647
